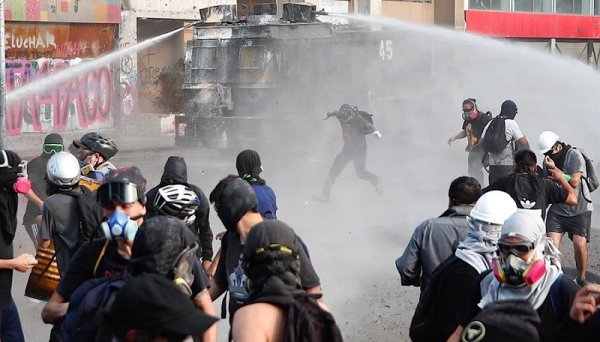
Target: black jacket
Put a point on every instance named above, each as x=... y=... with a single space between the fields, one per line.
x=175 y=172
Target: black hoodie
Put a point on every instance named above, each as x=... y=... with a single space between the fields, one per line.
x=175 y=172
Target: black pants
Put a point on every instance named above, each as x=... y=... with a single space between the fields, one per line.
x=357 y=153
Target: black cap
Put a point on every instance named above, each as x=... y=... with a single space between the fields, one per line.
x=508 y=109
x=53 y=138
x=158 y=243
x=9 y=160
x=514 y=321
x=150 y=302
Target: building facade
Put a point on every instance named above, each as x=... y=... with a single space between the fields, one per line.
x=44 y=37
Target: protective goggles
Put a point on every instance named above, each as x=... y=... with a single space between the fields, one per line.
x=124 y=193
x=53 y=148
x=518 y=249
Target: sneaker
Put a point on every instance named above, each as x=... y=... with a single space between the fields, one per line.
x=321 y=197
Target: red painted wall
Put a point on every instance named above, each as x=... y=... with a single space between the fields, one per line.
x=532 y=25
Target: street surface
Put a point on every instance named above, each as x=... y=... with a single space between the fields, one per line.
x=353 y=240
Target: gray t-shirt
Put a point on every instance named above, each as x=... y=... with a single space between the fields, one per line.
x=60 y=222
x=574 y=162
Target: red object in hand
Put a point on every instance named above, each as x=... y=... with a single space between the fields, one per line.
x=22 y=185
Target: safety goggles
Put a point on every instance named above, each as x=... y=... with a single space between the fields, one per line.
x=120 y=192
x=518 y=249
x=53 y=148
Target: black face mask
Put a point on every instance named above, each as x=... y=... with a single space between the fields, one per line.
x=559 y=158
x=237 y=199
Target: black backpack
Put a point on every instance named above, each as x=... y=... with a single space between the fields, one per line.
x=494 y=140
x=306 y=320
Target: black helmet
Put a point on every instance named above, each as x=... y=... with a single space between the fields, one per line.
x=99 y=144
x=345 y=111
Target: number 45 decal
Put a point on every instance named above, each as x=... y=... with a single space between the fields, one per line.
x=385 y=50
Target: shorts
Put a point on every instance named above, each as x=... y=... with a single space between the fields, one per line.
x=573 y=225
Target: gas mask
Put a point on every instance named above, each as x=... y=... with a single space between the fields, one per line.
x=119 y=225
x=516 y=272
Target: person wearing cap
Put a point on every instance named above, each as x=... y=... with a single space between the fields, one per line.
x=502 y=163
x=36 y=171
x=12 y=183
x=532 y=191
x=576 y=221
x=474 y=121
x=166 y=246
x=521 y=271
x=434 y=240
x=176 y=172
x=435 y=315
x=122 y=199
x=237 y=207
x=272 y=263
x=149 y=307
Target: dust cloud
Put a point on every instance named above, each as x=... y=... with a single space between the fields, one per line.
x=416 y=96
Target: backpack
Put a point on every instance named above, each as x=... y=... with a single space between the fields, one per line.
x=494 y=140
x=591 y=179
x=306 y=320
x=86 y=306
x=365 y=116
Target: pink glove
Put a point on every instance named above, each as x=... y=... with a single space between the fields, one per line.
x=22 y=185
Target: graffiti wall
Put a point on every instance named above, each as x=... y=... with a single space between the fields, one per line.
x=36 y=51
x=31 y=41
x=73 y=11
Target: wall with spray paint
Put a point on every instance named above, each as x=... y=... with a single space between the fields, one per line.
x=37 y=50
x=164 y=56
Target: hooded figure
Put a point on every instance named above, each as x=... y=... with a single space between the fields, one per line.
x=175 y=172
x=249 y=167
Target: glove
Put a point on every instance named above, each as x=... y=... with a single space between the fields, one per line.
x=22 y=185
x=325 y=116
x=377 y=134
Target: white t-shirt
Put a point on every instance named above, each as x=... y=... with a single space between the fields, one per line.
x=513 y=133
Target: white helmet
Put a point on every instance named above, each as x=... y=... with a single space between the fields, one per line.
x=177 y=200
x=546 y=141
x=494 y=207
x=63 y=169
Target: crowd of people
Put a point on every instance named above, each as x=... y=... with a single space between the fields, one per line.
x=137 y=264
x=489 y=268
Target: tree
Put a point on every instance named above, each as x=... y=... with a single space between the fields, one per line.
x=170 y=89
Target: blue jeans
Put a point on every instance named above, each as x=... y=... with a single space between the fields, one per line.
x=10 y=324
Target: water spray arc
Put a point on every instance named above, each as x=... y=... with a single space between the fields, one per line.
x=66 y=74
